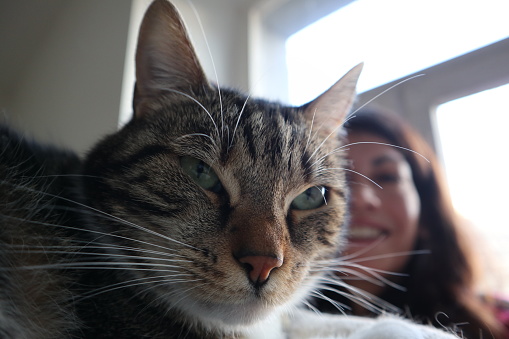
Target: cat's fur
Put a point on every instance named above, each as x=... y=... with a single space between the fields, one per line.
x=126 y=244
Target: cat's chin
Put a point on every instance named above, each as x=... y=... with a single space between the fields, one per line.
x=230 y=316
x=242 y=316
x=246 y=322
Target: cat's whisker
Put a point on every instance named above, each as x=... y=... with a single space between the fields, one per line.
x=198 y=18
x=311 y=307
x=310 y=131
x=108 y=265
x=91 y=232
x=331 y=152
x=323 y=194
x=154 y=281
x=384 y=256
x=339 y=306
x=359 y=299
x=99 y=246
x=197 y=102
x=341 y=258
x=125 y=222
x=344 y=148
x=375 y=277
x=100 y=254
x=385 y=144
x=383 y=92
x=376 y=280
x=334 y=151
x=333 y=279
x=238 y=120
x=343 y=268
x=359 y=296
x=333 y=133
x=348 y=170
x=198 y=134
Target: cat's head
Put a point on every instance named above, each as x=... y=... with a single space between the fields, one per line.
x=221 y=203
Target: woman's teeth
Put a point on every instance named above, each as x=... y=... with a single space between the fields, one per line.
x=364 y=233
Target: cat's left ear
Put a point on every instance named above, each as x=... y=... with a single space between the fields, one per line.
x=165 y=58
x=329 y=110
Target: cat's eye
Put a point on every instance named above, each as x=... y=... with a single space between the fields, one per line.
x=201 y=173
x=311 y=198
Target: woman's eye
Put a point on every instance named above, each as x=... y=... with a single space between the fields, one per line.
x=311 y=198
x=201 y=173
x=387 y=178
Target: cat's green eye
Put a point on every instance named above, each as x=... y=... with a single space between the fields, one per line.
x=201 y=173
x=311 y=198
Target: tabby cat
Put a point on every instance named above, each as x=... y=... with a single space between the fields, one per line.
x=202 y=218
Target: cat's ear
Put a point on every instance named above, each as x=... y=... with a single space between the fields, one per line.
x=165 y=57
x=329 y=110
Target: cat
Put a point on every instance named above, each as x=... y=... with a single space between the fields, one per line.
x=203 y=217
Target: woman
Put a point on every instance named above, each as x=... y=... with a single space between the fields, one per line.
x=402 y=221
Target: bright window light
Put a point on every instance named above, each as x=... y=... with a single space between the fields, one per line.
x=392 y=37
x=474 y=135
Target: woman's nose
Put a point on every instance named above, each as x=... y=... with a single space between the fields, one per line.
x=364 y=196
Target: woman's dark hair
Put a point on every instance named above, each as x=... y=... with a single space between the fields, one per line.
x=439 y=285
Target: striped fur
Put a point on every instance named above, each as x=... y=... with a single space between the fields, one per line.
x=125 y=244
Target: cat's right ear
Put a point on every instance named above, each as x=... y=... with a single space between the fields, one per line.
x=330 y=109
x=165 y=58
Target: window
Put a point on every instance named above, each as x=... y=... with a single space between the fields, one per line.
x=394 y=38
x=473 y=131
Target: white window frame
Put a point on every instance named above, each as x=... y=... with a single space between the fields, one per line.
x=417 y=99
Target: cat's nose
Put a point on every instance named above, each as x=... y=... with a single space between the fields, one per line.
x=260 y=266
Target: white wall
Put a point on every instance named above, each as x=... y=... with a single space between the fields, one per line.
x=225 y=30
x=68 y=90
x=78 y=78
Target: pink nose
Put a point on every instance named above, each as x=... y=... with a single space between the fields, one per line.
x=260 y=266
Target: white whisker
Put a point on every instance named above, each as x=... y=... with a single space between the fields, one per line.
x=91 y=232
x=198 y=134
x=197 y=102
x=310 y=131
x=311 y=307
x=125 y=222
x=356 y=254
x=363 y=298
x=385 y=144
x=348 y=170
x=238 y=120
x=110 y=255
x=136 y=282
x=385 y=91
x=376 y=278
x=339 y=306
x=324 y=140
x=197 y=15
x=95 y=265
x=390 y=255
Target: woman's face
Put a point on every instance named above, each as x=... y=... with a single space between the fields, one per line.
x=384 y=221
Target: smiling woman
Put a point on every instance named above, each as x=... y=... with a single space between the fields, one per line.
x=385 y=218
x=404 y=233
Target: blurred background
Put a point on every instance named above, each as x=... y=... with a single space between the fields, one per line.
x=67 y=73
